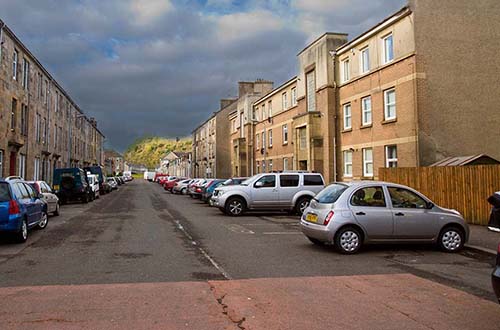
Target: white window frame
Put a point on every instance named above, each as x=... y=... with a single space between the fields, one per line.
x=15 y=60
x=346 y=70
x=264 y=114
x=21 y=166
x=348 y=163
x=389 y=161
x=294 y=96
x=1 y=162
x=257 y=141
x=270 y=137
x=263 y=137
x=365 y=62
x=270 y=108
x=284 y=100
x=387 y=105
x=270 y=165
x=385 y=53
x=365 y=111
x=285 y=164
x=26 y=72
x=347 y=116
x=36 y=169
x=311 y=91
x=366 y=162
x=285 y=133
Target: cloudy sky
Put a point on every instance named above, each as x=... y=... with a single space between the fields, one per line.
x=159 y=67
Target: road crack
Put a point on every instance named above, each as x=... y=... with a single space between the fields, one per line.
x=230 y=313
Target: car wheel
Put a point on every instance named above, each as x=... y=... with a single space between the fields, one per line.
x=56 y=212
x=316 y=241
x=235 y=206
x=451 y=239
x=85 y=199
x=43 y=221
x=302 y=205
x=183 y=191
x=348 y=240
x=22 y=234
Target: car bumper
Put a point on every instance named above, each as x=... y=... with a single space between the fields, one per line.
x=495 y=280
x=218 y=201
x=12 y=225
x=319 y=232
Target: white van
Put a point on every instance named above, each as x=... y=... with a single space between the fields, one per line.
x=94 y=184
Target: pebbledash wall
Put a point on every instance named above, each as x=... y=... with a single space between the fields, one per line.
x=41 y=127
x=419 y=86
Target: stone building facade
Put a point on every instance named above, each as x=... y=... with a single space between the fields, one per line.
x=41 y=127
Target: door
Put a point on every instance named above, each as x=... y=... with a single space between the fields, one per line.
x=412 y=219
x=24 y=198
x=49 y=197
x=35 y=203
x=265 y=193
x=289 y=184
x=369 y=207
x=12 y=163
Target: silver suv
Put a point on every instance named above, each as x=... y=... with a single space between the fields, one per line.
x=290 y=191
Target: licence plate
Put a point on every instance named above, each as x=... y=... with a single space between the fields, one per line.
x=311 y=217
x=56 y=187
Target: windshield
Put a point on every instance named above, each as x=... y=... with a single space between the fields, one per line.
x=330 y=194
x=247 y=181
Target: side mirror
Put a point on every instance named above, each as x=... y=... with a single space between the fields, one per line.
x=259 y=184
x=430 y=205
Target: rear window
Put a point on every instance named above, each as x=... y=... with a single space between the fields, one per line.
x=4 y=192
x=313 y=180
x=289 y=180
x=330 y=194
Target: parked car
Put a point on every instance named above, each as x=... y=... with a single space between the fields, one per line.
x=349 y=215
x=196 y=189
x=288 y=191
x=150 y=176
x=181 y=187
x=169 y=185
x=21 y=208
x=98 y=170
x=42 y=188
x=163 y=179
x=208 y=190
x=234 y=181
x=495 y=277
x=94 y=185
x=113 y=183
x=71 y=184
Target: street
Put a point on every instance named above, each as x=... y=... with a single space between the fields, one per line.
x=143 y=258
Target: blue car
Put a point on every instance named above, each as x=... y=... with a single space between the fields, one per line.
x=21 y=208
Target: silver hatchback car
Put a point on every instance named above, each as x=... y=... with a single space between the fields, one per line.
x=349 y=215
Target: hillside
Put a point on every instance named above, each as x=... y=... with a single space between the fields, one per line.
x=148 y=151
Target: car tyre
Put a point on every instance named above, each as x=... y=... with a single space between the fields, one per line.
x=22 y=235
x=235 y=206
x=348 y=240
x=451 y=239
x=302 y=204
x=44 y=221
x=56 y=212
x=183 y=191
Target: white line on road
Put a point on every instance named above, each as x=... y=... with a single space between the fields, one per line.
x=282 y=233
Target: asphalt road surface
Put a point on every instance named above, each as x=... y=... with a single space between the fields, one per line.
x=141 y=258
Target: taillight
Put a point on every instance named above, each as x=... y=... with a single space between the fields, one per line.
x=14 y=207
x=328 y=218
x=198 y=190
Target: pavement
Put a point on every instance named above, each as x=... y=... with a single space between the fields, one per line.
x=484 y=240
x=141 y=258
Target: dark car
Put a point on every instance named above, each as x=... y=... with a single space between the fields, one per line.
x=71 y=184
x=208 y=190
x=495 y=277
x=104 y=188
x=21 y=208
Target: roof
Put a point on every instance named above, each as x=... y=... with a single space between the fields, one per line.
x=319 y=38
x=277 y=89
x=111 y=153
x=215 y=114
x=480 y=159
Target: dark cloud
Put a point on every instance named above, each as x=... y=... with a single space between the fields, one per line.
x=161 y=72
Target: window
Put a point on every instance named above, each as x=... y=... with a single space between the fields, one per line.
x=270 y=133
x=21 y=169
x=13 y=112
x=56 y=107
x=264 y=114
x=388 y=49
x=311 y=91
x=285 y=164
x=270 y=165
x=347 y=116
x=284 y=99
x=4 y=192
x=366 y=110
x=348 y=163
x=365 y=60
x=331 y=194
x=263 y=166
x=26 y=73
x=270 y=108
x=24 y=119
x=263 y=139
x=369 y=196
x=37 y=127
x=258 y=168
x=346 y=74
x=302 y=138
x=36 y=174
x=268 y=181
x=368 y=162
x=294 y=96
x=257 y=140
x=406 y=199
x=289 y=180
x=285 y=134
x=14 y=64
x=391 y=156
x=1 y=163
x=313 y=180
x=390 y=104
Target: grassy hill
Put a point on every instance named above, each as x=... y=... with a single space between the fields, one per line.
x=149 y=150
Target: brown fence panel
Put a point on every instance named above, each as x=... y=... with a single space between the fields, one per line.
x=463 y=188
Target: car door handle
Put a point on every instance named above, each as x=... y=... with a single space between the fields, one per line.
x=399 y=214
x=361 y=213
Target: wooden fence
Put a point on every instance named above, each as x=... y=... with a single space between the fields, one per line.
x=463 y=188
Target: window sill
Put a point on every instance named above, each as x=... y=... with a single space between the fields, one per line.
x=347 y=130
x=389 y=121
x=285 y=143
x=364 y=177
x=366 y=126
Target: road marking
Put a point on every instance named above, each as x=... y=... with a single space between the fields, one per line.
x=282 y=233
x=239 y=229
x=202 y=251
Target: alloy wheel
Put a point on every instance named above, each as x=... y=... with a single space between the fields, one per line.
x=349 y=241
x=43 y=221
x=235 y=207
x=24 y=230
x=451 y=240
